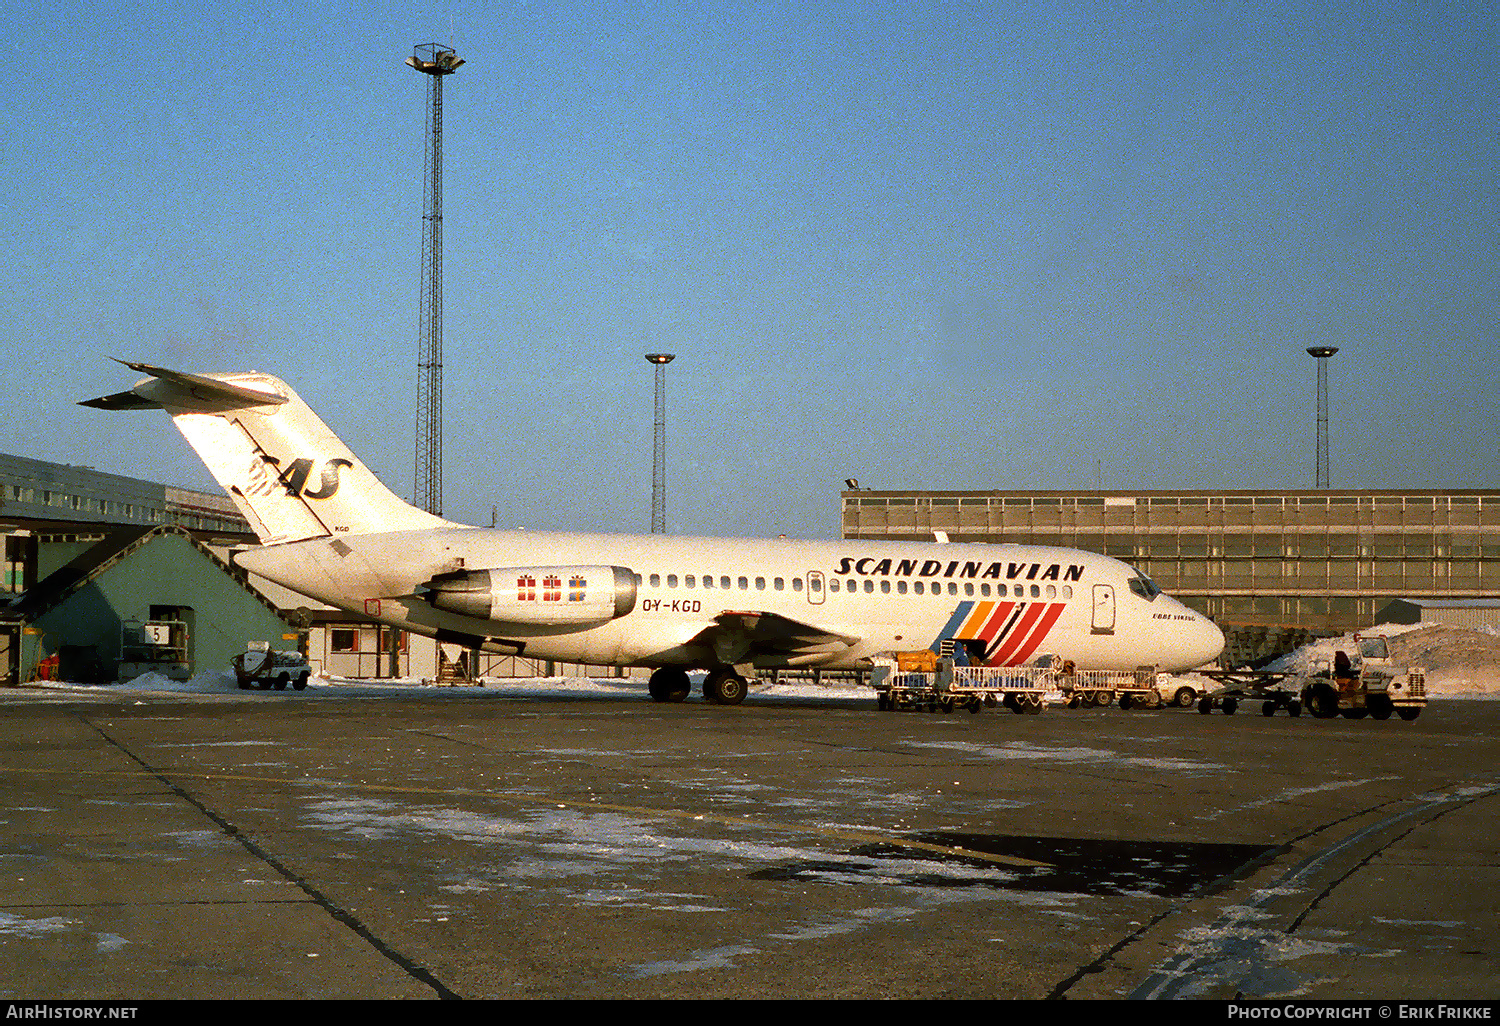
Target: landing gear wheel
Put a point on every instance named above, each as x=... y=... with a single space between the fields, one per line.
x=1408 y=714
x=1268 y=708
x=669 y=684
x=1205 y=705
x=1230 y=705
x=301 y=682
x=1294 y=708
x=724 y=687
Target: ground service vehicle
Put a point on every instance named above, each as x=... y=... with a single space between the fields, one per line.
x=1368 y=684
x=260 y=666
x=905 y=681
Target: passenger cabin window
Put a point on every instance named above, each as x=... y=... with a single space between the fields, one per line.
x=744 y=584
x=671 y=580
x=708 y=582
x=656 y=580
x=690 y=581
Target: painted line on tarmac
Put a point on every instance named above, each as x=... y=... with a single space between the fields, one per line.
x=1235 y=954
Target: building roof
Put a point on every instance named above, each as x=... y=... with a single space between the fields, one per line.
x=119 y=543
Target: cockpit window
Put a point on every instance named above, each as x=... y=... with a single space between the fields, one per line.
x=1144 y=586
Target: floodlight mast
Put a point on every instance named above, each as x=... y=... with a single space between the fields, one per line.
x=1321 y=354
x=436 y=61
x=659 y=456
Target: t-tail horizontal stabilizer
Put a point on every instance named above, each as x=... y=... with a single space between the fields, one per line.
x=168 y=388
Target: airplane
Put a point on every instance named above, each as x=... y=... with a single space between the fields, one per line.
x=329 y=529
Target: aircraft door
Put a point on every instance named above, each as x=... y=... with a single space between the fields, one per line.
x=815 y=587
x=1104 y=609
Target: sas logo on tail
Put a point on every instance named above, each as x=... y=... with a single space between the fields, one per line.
x=295 y=476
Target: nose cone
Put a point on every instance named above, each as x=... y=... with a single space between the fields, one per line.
x=1193 y=640
x=1205 y=643
x=1209 y=641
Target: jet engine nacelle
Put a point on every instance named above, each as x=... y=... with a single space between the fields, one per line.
x=548 y=596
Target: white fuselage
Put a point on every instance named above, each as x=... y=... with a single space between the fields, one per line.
x=1012 y=603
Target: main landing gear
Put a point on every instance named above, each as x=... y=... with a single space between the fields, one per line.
x=669 y=684
x=725 y=687
x=722 y=686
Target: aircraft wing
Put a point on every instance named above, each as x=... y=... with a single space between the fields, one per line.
x=739 y=637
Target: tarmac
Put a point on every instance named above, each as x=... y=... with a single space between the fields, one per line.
x=438 y=844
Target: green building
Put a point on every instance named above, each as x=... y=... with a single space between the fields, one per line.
x=143 y=598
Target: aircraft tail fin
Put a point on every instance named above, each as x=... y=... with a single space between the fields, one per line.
x=288 y=473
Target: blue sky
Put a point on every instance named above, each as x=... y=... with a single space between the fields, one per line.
x=971 y=246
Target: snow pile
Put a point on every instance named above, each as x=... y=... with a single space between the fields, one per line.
x=209 y=680
x=1460 y=662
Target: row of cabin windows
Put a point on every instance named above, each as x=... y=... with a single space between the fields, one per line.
x=970 y=589
x=725 y=583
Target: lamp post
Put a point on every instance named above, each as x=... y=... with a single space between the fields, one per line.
x=659 y=459
x=1321 y=354
x=436 y=62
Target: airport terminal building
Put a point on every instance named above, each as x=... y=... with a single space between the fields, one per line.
x=1326 y=560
